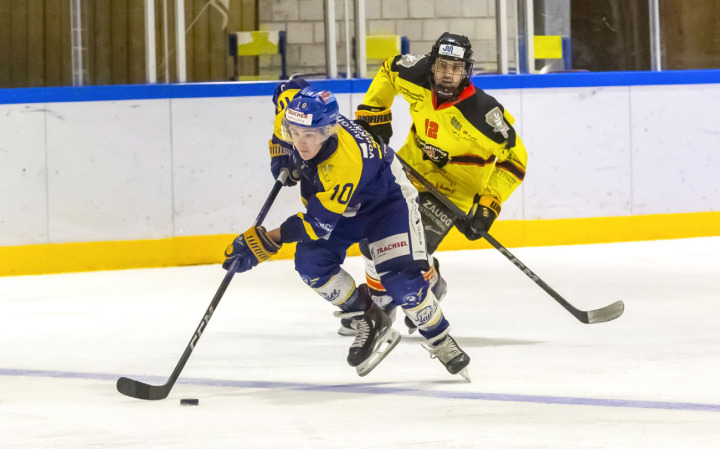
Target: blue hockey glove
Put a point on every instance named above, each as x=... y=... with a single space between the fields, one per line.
x=250 y=248
x=281 y=159
x=482 y=215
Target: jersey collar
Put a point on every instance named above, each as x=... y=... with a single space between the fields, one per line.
x=468 y=91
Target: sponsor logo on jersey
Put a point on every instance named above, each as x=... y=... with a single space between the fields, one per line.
x=495 y=119
x=451 y=50
x=298 y=117
x=325 y=170
x=390 y=247
x=408 y=60
x=455 y=123
x=308 y=281
x=410 y=95
x=414 y=300
x=423 y=315
x=329 y=297
x=327 y=227
x=433 y=153
x=431 y=229
x=439 y=216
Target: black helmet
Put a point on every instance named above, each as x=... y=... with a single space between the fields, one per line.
x=453 y=46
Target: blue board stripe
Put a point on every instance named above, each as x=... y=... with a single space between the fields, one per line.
x=382 y=389
x=345 y=86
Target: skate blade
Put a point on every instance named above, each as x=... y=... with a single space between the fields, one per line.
x=386 y=343
x=464 y=373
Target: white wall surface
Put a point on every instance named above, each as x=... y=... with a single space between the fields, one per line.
x=109 y=170
x=23 y=175
x=143 y=169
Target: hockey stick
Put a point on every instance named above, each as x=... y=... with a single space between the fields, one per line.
x=607 y=313
x=141 y=390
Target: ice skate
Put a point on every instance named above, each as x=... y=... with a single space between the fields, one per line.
x=346 y=329
x=451 y=356
x=374 y=338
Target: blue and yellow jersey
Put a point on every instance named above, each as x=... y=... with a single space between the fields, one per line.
x=463 y=147
x=350 y=175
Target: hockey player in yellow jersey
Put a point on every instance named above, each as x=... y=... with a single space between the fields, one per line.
x=461 y=140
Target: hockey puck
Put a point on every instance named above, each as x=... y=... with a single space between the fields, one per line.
x=189 y=402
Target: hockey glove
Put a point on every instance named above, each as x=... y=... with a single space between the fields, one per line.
x=379 y=120
x=250 y=248
x=281 y=159
x=482 y=215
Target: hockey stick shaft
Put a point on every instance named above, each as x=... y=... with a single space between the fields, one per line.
x=607 y=313
x=141 y=390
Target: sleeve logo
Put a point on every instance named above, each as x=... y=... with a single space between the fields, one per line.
x=495 y=119
x=408 y=60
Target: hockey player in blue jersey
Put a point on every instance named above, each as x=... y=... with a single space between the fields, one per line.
x=353 y=189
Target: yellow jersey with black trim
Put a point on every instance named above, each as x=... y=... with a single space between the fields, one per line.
x=349 y=176
x=463 y=147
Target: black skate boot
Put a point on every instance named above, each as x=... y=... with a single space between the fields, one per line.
x=374 y=338
x=346 y=329
x=439 y=289
x=450 y=355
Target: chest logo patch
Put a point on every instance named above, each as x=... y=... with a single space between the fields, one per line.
x=495 y=119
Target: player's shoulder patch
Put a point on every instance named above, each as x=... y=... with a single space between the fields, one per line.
x=486 y=114
x=412 y=68
x=408 y=60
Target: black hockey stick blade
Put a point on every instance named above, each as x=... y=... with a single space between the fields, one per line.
x=141 y=390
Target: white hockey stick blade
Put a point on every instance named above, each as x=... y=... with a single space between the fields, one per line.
x=385 y=344
x=607 y=313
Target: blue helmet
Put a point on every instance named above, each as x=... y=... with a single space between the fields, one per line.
x=312 y=108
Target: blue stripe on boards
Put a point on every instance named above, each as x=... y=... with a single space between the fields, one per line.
x=344 y=86
x=382 y=389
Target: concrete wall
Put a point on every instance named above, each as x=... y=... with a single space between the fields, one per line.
x=421 y=21
x=197 y=164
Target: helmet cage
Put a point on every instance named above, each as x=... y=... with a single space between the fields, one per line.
x=453 y=47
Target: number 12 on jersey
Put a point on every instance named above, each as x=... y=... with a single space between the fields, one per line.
x=431 y=128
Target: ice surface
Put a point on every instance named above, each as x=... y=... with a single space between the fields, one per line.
x=270 y=371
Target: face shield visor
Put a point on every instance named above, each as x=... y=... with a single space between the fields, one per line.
x=307 y=140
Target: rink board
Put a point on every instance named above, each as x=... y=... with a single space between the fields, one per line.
x=127 y=176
